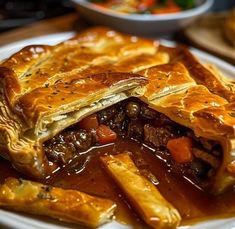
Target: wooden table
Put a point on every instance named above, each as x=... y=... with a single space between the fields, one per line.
x=69 y=22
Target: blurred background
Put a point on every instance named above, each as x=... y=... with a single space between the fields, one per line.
x=15 y=13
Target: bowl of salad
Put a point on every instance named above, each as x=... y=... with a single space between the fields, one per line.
x=143 y=17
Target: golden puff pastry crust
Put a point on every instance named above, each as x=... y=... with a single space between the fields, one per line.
x=44 y=112
x=199 y=72
x=48 y=88
x=166 y=79
x=45 y=89
x=153 y=208
x=210 y=117
x=182 y=105
x=65 y=205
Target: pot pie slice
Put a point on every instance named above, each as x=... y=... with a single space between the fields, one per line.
x=102 y=85
x=45 y=111
x=42 y=86
x=155 y=210
x=48 y=90
x=66 y=205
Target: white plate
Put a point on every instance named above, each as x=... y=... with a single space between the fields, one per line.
x=23 y=221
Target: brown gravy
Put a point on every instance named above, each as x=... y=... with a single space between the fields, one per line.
x=85 y=173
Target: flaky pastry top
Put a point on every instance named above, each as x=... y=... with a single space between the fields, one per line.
x=46 y=88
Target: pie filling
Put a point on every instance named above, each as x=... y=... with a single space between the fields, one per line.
x=195 y=157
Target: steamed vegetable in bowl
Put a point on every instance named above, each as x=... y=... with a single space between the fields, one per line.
x=146 y=6
x=140 y=16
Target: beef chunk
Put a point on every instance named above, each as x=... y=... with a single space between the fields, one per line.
x=147 y=113
x=157 y=136
x=200 y=169
x=105 y=115
x=81 y=139
x=115 y=118
x=132 y=110
x=119 y=117
x=60 y=153
x=135 y=129
x=162 y=120
x=63 y=147
x=119 y=122
x=206 y=157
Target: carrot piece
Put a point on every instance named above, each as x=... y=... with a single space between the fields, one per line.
x=181 y=149
x=145 y=4
x=105 y=134
x=149 y=3
x=90 y=122
x=171 y=9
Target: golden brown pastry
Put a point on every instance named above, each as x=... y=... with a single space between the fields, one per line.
x=198 y=72
x=46 y=89
x=44 y=92
x=155 y=210
x=210 y=117
x=65 y=205
x=166 y=79
x=226 y=81
x=42 y=113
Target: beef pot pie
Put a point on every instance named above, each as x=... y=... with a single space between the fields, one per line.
x=101 y=86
